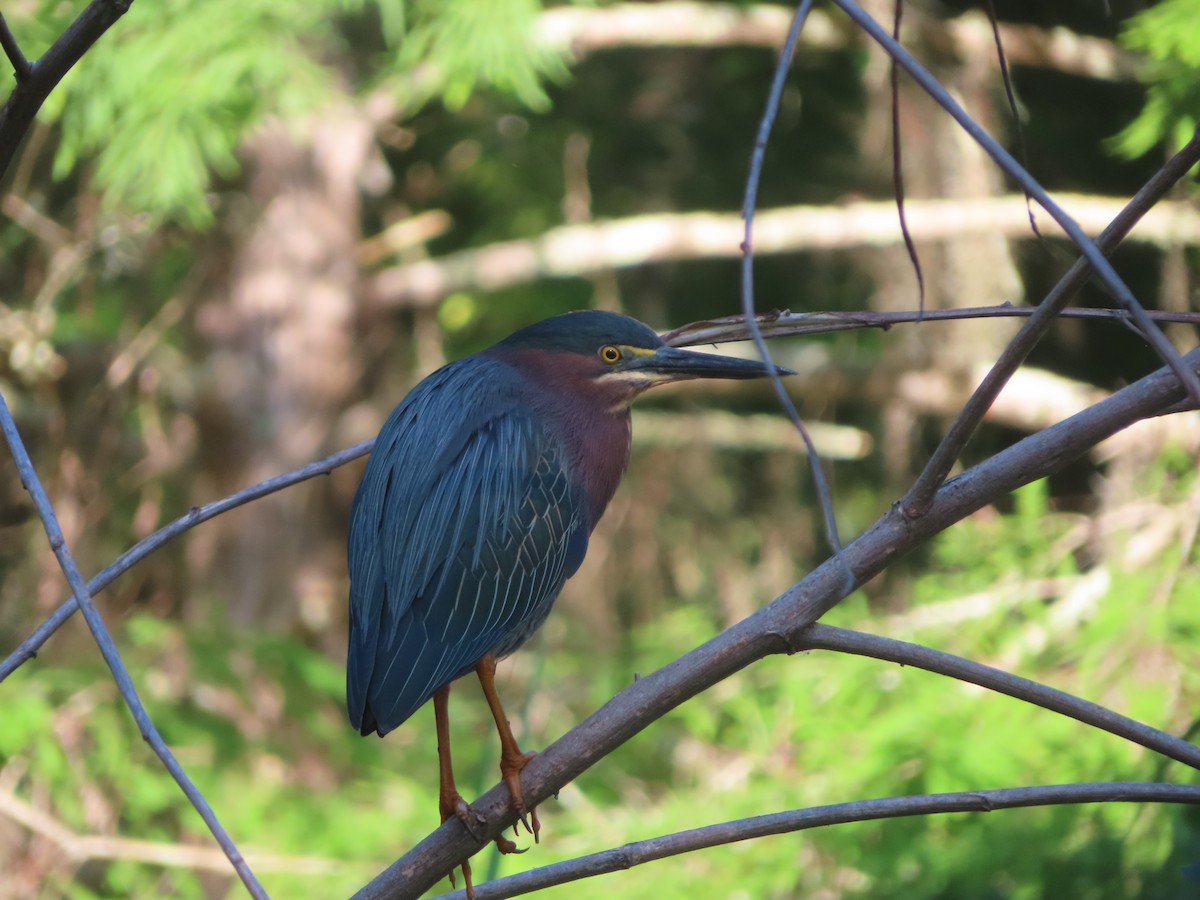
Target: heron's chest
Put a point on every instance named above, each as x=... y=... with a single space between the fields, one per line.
x=596 y=451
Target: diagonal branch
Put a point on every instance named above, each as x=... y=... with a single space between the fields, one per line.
x=1153 y=334
x=109 y=650
x=193 y=517
x=12 y=50
x=42 y=76
x=824 y=637
x=1019 y=348
x=638 y=853
x=780 y=627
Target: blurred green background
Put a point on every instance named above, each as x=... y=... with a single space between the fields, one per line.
x=241 y=230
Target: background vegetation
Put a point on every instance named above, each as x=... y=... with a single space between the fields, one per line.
x=207 y=273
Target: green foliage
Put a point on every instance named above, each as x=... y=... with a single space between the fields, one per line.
x=472 y=44
x=823 y=728
x=159 y=107
x=161 y=104
x=1168 y=33
x=258 y=721
x=166 y=98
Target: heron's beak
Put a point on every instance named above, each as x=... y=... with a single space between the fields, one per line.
x=673 y=364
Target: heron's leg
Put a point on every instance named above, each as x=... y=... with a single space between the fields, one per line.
x=450 y=802
x=512 y=760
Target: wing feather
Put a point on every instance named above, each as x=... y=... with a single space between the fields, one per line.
x=463 y=530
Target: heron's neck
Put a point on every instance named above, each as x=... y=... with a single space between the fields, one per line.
x=595 y=433
x=596 y=442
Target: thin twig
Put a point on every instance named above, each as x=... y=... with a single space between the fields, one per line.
x=1011 y=96
x=109 y=650
x=898 y=167
x=44 y=75
x=943 y=458
x=193 y=517
x=749 y=203
x=784 y=323
x=12 y=50
x=1153 y=335
x=779 y=627
x=637 y=853
x=844 y=640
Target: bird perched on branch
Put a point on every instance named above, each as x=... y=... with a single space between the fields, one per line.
x=476 y=506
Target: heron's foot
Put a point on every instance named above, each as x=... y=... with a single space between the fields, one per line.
x=510 y=771
x=504 y=845
x=468 y=885
x=451 y=805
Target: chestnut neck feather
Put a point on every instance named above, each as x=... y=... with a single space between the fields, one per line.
x=591 y=419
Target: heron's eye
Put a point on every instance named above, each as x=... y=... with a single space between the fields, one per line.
x=610 y=354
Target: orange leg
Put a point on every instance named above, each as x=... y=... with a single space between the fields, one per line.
x=512 y=760
x=450 y=801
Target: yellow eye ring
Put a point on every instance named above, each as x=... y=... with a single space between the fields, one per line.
x=610 y=354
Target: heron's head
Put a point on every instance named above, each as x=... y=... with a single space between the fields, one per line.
x=614 y=357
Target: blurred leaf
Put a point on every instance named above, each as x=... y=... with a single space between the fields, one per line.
x=1168 y=33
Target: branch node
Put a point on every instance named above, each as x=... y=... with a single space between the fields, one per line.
x=781 y=643
x=911 y=508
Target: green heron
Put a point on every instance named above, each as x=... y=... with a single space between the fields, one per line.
x=476 y=506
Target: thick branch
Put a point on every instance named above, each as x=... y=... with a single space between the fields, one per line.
x=637 y=853
x=578 y=250
x=778 y=628
x=44 y=75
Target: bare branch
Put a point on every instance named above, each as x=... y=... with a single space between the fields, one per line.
x=898 y=163
x=844 y=640
x=1153 y=335
x=12 y=50
x=44 y=75
x=785 y=323
x=749 y=207
x=637 y=853
x=578 y=250
x=1018 y=349
x=780 y=627
x=109 y=650
x=193 y=517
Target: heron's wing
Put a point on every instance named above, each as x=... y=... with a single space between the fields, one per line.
x=464 y=528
